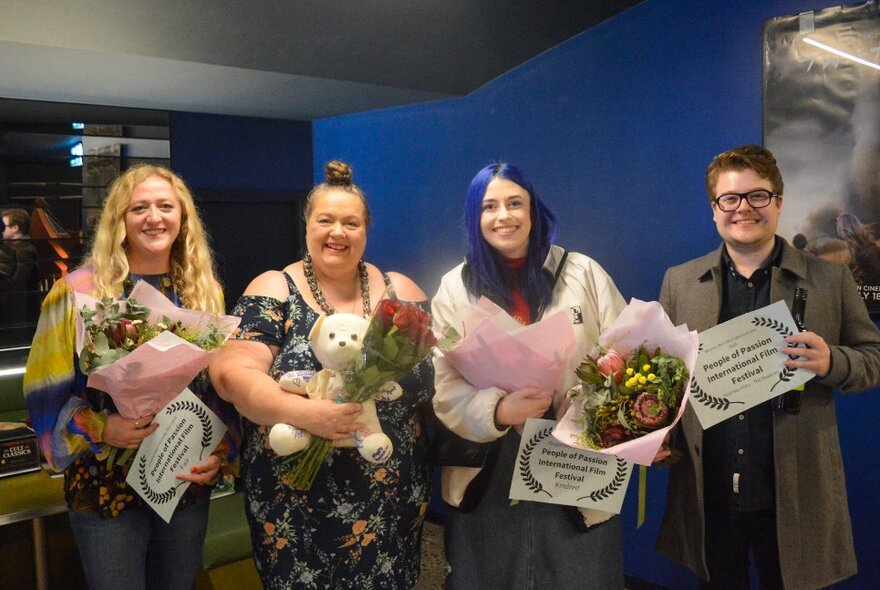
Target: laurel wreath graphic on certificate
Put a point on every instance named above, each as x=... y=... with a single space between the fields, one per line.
x=525 y=461
x=740 y=365
x=549 y=471
x=188 y=431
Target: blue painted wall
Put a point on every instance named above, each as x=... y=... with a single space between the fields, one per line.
x=614 y=128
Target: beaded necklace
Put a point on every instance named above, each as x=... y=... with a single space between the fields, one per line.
x=312 y=280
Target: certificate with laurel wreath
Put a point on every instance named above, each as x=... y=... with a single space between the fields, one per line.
x=548 y=471
x=739 y=364
x=188 y=432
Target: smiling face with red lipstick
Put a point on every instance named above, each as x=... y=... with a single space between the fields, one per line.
x=336 y=231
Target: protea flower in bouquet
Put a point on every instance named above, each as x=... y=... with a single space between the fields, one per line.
x=627 y=394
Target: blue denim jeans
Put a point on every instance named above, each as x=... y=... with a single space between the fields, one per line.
x=138 y=550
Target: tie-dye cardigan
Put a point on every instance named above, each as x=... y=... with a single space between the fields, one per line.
x=69 y=417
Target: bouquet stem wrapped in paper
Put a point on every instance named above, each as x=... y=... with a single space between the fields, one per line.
x=398 y=338
x=144 y=350
x=635 y=389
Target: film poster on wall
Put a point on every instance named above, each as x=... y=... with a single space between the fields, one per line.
x=822 y=122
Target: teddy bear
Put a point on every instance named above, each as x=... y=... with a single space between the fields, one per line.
x=336 y=341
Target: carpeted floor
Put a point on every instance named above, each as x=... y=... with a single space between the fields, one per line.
x=433 y=558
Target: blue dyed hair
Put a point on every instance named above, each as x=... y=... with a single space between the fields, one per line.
x=487 y=274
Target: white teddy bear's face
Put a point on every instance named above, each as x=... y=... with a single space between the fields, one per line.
x=337 y=339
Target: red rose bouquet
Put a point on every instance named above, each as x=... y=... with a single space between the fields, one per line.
x=398 y=338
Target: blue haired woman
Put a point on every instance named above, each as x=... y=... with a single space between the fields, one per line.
x=512 y=260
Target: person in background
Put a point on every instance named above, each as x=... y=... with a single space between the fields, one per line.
x=7 y=257
x=15 y=235
x=359 y=525
x=8 y=313
x=149 y=230
x=19 y=303
x=511 y=259
x=765 y=482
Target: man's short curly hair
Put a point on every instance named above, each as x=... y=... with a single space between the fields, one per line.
x=744 y=157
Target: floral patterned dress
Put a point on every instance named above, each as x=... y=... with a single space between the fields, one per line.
x=360 y=524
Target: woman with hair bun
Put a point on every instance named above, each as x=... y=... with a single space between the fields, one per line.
x=149 y=230
x=359 y=526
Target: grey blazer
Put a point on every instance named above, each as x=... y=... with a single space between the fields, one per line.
x=814 y=531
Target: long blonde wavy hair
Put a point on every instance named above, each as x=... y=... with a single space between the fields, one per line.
x=192 y=262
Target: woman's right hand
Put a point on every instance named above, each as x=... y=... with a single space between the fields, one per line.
x=126 y=433
x=328 y=419
x=518 y=406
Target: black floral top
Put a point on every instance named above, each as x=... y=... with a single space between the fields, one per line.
x=359 y=526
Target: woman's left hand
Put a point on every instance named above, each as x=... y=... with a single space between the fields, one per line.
x=203 y=473
x=664 y=452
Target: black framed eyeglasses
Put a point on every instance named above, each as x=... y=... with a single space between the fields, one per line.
x=758 y=199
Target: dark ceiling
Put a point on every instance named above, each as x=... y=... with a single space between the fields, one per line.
x=303 y=59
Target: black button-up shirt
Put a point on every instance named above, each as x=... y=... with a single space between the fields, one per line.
x=738 y=452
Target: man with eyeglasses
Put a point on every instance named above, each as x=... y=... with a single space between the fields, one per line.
x=770 y=483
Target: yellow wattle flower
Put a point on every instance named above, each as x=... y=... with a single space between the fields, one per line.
x=646 y=368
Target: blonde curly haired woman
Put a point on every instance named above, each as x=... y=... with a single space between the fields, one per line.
x=149 y=230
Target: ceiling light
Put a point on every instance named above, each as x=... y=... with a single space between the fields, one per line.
x=840 y=53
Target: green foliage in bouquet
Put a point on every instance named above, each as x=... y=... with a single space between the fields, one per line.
x=113 y=332
x=624 y=398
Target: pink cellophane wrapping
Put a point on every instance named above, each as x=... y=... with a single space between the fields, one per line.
x=645 y=324
x=497 y=351
x=144 y=381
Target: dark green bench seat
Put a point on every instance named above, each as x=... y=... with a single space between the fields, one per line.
x=226 y=555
